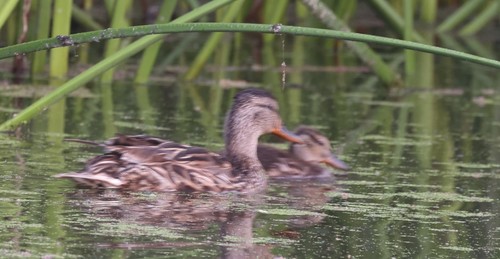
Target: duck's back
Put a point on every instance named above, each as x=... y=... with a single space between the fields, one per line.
x=143 y=163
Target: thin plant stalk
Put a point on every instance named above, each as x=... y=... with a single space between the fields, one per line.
x=489 y=13
x=460 y=15
x=12 y=26
x=112 y=46
x=212 y=43
x=146 y=110
x=181 y=47
x=363 y=51
x=392 y=17
x=478 y=47
x=44 y=10
x=60 y=26
x=345 y=9
x=110 y=6
x=428 y=11
x=177 y=27
x=273 y=14
x=84 y=19
x=408 y=35
x=6 y=8
x=83 y=55
x=107 y=109
x=104 y=65
x=149 y=56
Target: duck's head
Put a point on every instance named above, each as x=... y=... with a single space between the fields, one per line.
x=315 y=148
x=254 y=113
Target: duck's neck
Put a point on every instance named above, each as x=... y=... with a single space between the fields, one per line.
x=241 y=151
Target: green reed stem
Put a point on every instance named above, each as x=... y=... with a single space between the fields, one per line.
x=363 y=51
x=177 y=27
x=83 y=53
x=212 y=43
x=149 y=56
x=110 y=6
x=42 y=32
x=60 y=26
x=273 y=13
x=459 y=16
x=73 y=84
x=6 y=8
x=428 y=11
x=119 y=21
x=489 y=13
x=408 y=35
x=392 y=17
x=84 y=19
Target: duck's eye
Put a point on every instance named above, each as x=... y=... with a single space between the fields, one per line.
x=267 y=106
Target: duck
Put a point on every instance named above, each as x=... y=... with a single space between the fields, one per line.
x=167 y=166
x=301 y=160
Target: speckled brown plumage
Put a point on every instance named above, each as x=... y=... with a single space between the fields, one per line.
x=146 y=163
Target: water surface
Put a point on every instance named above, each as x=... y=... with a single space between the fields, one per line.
x=424 y=179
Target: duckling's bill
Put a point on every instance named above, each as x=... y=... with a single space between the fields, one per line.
x=287 y=135
x=334 y=162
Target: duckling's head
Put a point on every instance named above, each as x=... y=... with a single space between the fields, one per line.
x=316 y=148
x=254 y=112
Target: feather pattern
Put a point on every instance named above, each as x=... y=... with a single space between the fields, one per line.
x=142 y=163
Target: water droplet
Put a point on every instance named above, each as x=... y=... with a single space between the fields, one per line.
x=276 y=28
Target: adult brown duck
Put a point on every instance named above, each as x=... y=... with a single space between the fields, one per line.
x=169 y=166
x=302 y=160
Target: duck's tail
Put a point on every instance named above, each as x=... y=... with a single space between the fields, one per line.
x=87 y=142
x=92 y=180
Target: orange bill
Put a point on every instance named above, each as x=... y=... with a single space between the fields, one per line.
x=287 y=135
x=336 y=163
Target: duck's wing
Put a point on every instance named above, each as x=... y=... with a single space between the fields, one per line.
x=135 y=140
x=100 y=172
x=281 y=164
x=158 y=168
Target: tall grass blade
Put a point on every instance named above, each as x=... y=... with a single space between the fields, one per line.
x=408 y=35
x=428 y=11
x=392 y=17
x=363 y=51
x=83 y=54
x=102 y=66
x=112 y=46
x=84 y=19
x=212 y=42
x=273 y=13
x=60 y=26
x=149 y=56
x=459 y=16
x=6 y=8
x=13 y=26
x=489 y=13
x=42 y=32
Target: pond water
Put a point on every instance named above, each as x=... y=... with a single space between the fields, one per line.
x=424 y=179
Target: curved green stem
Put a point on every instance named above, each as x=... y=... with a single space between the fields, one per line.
x=137 y=46
x=233 y=27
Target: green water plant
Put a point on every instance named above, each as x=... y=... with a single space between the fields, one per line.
x=176 y=27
